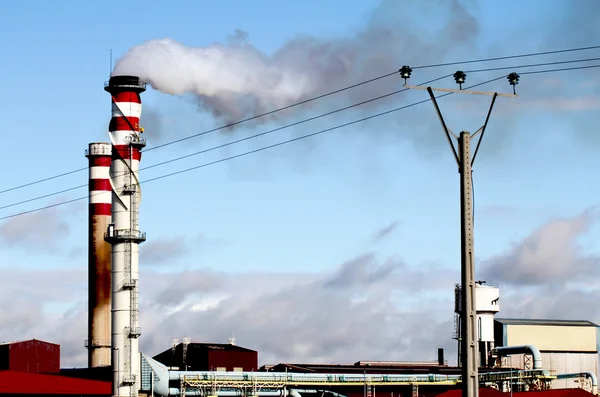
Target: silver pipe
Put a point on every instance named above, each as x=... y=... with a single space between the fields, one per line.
x=590 y=375
x=523 y=349
x=173 y=391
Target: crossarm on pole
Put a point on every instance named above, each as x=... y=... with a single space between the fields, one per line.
x=446 y=130
x=482 y=129
x=460 y=91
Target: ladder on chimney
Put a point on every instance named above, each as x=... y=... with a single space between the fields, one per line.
x=130 y=283
x=134 y=319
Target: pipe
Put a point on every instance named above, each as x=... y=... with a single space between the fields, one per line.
x=163 y=376
x=99 y=260
x=590 y=375
x=173 y=391
x=523 y=349
x=312 y=377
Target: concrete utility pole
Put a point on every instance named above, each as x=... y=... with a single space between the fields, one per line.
x=468 y=326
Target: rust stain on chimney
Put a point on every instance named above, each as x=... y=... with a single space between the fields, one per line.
x=99 y=293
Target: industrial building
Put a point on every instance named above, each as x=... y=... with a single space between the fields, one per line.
x=33 y=356
x=33 y=368
x=562 y=347
x=209 y=357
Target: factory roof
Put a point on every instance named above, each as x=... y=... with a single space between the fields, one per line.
x=197 y=356
x=531 y=321
x=27 y=383
x=216 y=346
x=14 y=342
x=223 y=346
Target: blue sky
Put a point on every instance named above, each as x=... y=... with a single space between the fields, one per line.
x=306 y=208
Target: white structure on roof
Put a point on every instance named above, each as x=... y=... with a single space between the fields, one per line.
x=487 y=297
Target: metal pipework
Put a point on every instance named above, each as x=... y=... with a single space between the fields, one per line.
x=235 y=393
x=522 y=349
x=163 y=377
x=590 y=375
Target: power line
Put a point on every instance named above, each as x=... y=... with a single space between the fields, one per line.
x=366 y=82
x=563 y=69
x=314 y=99
x=43 y=180
x=534 y=65
x=256 y=150
x=235 y=141
x=305 y=136
x=302 y=122
x=531 y=54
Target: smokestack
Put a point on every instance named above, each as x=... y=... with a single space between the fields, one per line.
x=441 y=356
x=98 y=342
x=123 y=233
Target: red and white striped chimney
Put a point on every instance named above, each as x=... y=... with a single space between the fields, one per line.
x=99 y=256
x=124 y=233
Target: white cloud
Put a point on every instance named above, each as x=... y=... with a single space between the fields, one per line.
x=550 y=254
x=368 y=308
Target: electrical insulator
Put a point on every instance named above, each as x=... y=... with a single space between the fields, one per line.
x=405 y=72
x=513 y=79
x=460 y=77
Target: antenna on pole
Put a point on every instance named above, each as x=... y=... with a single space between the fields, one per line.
x=468 y=354
x=232 y=339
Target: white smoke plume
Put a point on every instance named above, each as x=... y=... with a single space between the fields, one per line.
x=226 y=78
x=237 y=80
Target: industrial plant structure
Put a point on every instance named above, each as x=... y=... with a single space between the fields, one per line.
x=515 y=355
x=99 y=293
x=123 y=233
x=567 y=348
x=487 y=299
x=32 y=368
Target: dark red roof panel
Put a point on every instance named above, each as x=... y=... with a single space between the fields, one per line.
x=483 y=392
x=491 y=392
x=14 y=382
x=577 y=392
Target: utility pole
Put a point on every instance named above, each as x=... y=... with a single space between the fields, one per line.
x=468 y=320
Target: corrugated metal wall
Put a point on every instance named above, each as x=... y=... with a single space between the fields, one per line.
x=232 y=360
x=31 y=356
x=565 y=349
x=564 y=363
x=207 y=357
x=561 y=363
x=553 y=338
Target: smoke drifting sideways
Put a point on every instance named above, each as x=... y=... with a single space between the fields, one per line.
x=236 y=80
